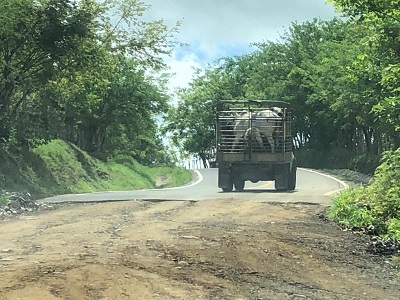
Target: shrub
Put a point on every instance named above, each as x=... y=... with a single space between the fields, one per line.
x=351 y=209
x=377 y=205
x=335 y=158
x=393 y=229
x=386 y=187
x=365 y=163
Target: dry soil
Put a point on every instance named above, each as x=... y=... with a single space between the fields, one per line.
x=214 y=249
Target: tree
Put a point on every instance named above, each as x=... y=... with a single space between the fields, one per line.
x=192 y=122
x=34 y=37
x=84 y=71
x=324 y=69
x=383 y=17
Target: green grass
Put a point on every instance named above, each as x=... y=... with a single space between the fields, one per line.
x=60 y=167
x=174 y=175
x=349 y=208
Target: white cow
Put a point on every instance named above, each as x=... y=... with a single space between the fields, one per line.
x=253 y=134
x=265 y=123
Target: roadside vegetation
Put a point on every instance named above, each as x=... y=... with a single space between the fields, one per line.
x=61 y=168
x=82 y=90
x=374 y=208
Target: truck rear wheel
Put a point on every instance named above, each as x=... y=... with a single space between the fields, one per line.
x=229 y=187
x=225 y=179
x=282 y=177
x=239 y=184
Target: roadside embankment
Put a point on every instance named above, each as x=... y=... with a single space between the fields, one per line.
x=62 y=168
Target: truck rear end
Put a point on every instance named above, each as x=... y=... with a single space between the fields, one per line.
x=255 y=143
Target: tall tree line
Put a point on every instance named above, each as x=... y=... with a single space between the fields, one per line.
x=340 y=76
x=84 y=71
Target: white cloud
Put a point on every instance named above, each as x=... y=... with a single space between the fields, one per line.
x=218 y=28
x=236 y=21
x=182 y=69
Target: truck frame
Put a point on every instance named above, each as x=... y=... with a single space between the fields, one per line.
x=254 y=141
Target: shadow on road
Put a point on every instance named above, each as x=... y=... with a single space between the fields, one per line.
x=259 y=191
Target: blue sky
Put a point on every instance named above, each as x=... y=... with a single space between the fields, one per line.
x=219 y=28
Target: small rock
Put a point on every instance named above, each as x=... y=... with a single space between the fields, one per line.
x=190 y=237
x=7 y=259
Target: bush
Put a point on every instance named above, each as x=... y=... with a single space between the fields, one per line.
x=386 y=187
x=393 y=230
x=377 y=205
x=351 y=209
x=336 y=158
x=365 y=163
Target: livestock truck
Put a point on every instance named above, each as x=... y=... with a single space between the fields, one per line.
x=254 y=142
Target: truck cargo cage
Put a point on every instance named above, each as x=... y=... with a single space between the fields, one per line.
x=254 y=143
x=254 y=126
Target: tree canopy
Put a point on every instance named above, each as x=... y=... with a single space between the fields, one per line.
x=83 y=71
x=340 y=76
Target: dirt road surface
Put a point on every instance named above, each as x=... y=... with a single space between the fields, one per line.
x=212 y=249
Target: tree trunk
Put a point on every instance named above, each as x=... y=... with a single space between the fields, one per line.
x=204 y=160
x=368 y=138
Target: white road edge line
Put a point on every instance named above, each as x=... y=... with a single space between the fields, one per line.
x=344 y=184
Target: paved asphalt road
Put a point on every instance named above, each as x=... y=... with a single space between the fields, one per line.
x=312 y=187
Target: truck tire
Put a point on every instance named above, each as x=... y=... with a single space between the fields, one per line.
x=292 y=177
x=239 y=184
x=282 y=178
x=225 y=179
x=228 y=188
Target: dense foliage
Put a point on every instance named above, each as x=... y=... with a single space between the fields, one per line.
x=377 y=206
x=85 y=72
x=340 y=76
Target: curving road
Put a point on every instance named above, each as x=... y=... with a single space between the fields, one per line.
x=312 y=187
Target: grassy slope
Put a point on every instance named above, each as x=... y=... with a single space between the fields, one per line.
x=59 y=167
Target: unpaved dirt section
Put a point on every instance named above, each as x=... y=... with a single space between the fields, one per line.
x=214 y=249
